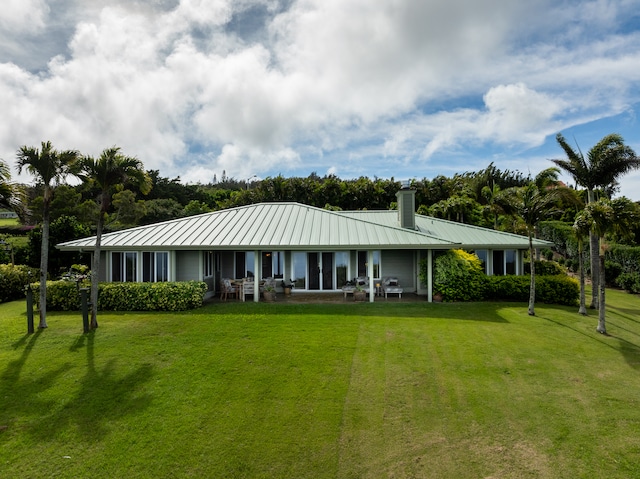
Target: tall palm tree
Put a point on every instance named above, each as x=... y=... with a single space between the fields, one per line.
x=49 y=167
x=606 y=162
x=532 y=203
x=581 y=228
x=108 y=173
x=605 y=216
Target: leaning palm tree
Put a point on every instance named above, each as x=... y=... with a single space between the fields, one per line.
x=532 y=203
x=605 y=163
x=108 y=173
x=49 y=167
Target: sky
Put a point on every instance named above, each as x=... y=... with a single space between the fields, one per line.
x=257 y=88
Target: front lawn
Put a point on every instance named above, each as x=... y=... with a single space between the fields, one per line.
x=382 y=390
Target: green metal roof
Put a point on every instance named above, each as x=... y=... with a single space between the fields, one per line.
x=268 y=226
x=469 y=236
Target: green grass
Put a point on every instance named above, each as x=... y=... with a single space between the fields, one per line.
x=324 y=391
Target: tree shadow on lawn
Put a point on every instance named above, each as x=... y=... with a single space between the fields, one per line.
x=481 y=311
x=630 y=351
x=101 y=395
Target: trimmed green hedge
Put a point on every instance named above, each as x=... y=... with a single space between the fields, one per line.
x=13 y=280
x=629 y=282
x=558 y=289
x=175 y=296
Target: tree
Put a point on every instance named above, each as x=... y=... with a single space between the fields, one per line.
x=532 y=203
x=603 y=217
x=9 y=195
x=581 y=228
x=606 y=162
x=109 y=173
x=49 y=167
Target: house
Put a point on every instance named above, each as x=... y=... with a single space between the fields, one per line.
x=319 y=250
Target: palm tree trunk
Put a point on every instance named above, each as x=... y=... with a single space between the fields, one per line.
x=532 y=285
x=583 y=300
x=602 y=327
x=595 y=264
x=44 y=264
x=95 y=272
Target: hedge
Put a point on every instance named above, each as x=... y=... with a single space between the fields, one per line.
x=13 y=280
x=558 y=289
x=174 y=296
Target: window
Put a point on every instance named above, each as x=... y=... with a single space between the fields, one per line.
x=124 y=266
x=208 y=263
x=273 y=264
x=342 y=268
x=245 y=264
x=482 y=254
x=510 y=261
x=498 y=263
x=299 y=269
x=155 y=266
x=363 y=263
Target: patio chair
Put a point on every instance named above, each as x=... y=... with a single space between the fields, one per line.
x=350 y=287
x=227 y=288
x=391 y=286
x=248 y=287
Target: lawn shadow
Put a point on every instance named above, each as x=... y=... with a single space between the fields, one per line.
x=26 y=393
x=629 y=351
x=481 y=311
x=102 y=396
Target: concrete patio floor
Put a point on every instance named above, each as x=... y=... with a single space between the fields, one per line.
x=318 y=298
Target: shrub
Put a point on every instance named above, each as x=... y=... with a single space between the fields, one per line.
x=545 y=268
x=178 y=296
x=459 y=276
x=611 y=271
x=629 y=282
x=13 y=280
x=558 y=289
x=628 y=257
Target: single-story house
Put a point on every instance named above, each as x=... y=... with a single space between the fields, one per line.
x=318 y=250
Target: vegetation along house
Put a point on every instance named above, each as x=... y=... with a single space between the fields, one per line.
x=316 y=249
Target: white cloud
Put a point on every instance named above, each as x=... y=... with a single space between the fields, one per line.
x=23 y=16
x=368 y=86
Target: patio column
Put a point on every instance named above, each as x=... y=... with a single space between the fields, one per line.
x=256 y=276
x=430 y=276
x=370 y=274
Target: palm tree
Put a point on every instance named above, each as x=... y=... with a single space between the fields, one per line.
x=606 y=162
x=9 y=195
x=605 y=216
x=50 y=167
x=581 y=228
x=110 y=172
x=532 y=203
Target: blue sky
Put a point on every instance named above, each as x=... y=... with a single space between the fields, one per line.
x=392 y=88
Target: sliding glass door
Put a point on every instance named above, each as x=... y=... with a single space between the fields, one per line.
x=323 y=271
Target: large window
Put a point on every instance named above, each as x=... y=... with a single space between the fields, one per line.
x=299 y=269
x=124 y=266
x=483 y=254
x=273 y=264
x=363 y=264
x=505 y=262
x=342 y=268
x=155 y=266
x=245 y=265
x=208 y=264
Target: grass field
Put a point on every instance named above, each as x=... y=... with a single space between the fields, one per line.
x=380 y=390
x=9 y=221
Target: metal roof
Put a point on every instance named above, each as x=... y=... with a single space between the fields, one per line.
x=469 y=236
x=267 y=226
